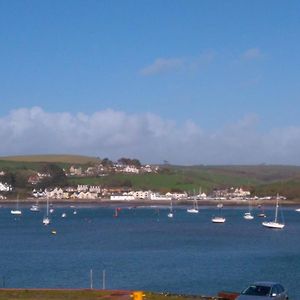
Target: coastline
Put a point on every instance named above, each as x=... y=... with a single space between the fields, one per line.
x=149 y=203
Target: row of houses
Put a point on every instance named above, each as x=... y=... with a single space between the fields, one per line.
x=231 y=193
x=115 y=168
x=96 y=192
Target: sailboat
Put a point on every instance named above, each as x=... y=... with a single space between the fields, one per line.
x=16 y=211
x=275 y=224
x=35 y=207
x=248 y=215
x=194 y=209
x=261 y=214
x=46 y=219
x=170 y=214
x=219 y=219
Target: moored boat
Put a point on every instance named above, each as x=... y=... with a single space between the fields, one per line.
x=218 y=220
x=248 y=216
x=274 y=224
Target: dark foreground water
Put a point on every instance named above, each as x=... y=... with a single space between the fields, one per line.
x=143 y=249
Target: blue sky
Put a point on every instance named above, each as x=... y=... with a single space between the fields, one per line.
x=217 y=73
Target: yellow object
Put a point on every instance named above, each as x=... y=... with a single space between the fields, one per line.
x=137 y=295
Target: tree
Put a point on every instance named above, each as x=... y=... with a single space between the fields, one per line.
x=106 y=162
x=129 y=162
x=57 y=176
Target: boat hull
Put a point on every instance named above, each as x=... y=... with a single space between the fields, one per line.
x=273 y=225
x=15 y=212
x=192 y=211
x=218 y=220
x=46 y=221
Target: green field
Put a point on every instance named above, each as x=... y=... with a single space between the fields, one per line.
x=179 y=180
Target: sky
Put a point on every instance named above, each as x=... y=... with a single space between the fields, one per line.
x=187 y=81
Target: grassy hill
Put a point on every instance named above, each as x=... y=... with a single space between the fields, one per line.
x=51 y=158
x=261 y=179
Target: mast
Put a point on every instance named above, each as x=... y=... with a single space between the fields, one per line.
x=276 y=210
x=47 y=207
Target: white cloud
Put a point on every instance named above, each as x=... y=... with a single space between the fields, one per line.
x=252 y=54
x=148 y=137
x=163 y=65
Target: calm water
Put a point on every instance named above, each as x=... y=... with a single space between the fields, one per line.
x=143 y=249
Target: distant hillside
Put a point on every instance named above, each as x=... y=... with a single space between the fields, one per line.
x=55 y=158
x=260 y=179
x=255 y=173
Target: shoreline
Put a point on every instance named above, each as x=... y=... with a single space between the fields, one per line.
x=148 y=203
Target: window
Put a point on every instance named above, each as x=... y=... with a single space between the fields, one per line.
x=257 y=290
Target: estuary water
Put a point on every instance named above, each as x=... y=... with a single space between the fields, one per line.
x=144 y=249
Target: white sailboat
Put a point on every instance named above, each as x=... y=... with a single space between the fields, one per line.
x=194 y=209
x=275 y=224
x=35 y=207
x=219 y=219
x=248 y=215
x=16 y=211
x=170 y=214
x=46 y=219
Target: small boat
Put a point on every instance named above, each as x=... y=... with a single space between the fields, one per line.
x=53 y=232
x=298 y=209
x=261 y=214
x=248 y=216
x=75 y=212
x=35 y=208
x=170 y=214
x=63 y=215
x=275 y=224
x=194 y=209
x=16 y=211
x=218 y=220
x=46 y=219
x=51 y=210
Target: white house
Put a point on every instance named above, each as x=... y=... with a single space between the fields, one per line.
x=157 y=196
x=4 y=187
x=122 y=197
x=177 y=195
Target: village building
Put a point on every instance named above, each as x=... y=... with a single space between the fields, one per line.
x=4 y=187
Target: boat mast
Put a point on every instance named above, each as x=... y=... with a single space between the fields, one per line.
x=47 y=207
x=276 y=210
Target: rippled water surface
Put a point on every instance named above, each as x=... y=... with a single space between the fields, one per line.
x=143 y=249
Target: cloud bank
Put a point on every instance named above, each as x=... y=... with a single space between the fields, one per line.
x=148 y=137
